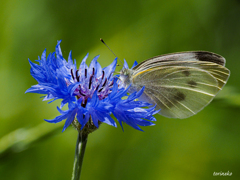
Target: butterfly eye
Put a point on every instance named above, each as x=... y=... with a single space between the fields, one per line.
x=125 y=72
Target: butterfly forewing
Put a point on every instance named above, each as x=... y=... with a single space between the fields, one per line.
x=182 y=87
x=184 y=56
x=219 y=72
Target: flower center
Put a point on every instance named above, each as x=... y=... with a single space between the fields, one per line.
x=90 y=82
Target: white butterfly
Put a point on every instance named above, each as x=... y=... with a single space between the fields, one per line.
x=181 y=84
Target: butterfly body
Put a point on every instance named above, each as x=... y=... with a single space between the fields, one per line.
x=181 y=84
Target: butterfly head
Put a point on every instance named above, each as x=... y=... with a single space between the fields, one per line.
x=125 y=76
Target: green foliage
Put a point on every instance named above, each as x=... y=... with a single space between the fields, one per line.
x=192 y=148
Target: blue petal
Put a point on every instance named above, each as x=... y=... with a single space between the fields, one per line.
x=43 y=57
x=94 y=118
x=110 y=69
x=125 y=65
x=93 y=65
x=106 y=119
x=98 y=70
x=69 y=119
x=134 y=64
x=58 y=50
x=83 y=66
x=70 y=58
x=81 y=120
x=59 y=118
x=73 y=87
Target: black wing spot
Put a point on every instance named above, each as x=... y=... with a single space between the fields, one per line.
x=192 y=84
x=186 y=73
x=179 y=96
x=210 y=57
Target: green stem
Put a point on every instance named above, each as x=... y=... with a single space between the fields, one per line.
x=79 y=154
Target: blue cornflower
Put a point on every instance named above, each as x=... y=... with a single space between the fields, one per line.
x=92 y=93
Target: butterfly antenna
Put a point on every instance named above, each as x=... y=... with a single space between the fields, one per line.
x=111 y=51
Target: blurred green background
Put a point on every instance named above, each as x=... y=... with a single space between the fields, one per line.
x=192 y=148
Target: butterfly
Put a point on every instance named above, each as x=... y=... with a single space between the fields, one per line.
x=180 y=84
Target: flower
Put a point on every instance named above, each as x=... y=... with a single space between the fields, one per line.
x=92 y=93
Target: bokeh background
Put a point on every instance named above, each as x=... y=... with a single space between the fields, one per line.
x=192 y=148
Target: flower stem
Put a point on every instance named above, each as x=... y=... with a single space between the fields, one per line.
x=79 y=154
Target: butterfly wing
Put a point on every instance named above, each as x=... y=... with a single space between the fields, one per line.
x=183 y=56
x=181 y=85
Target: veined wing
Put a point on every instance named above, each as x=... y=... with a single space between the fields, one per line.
x=219 y=72
x=181 y=56
x=181 y=88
